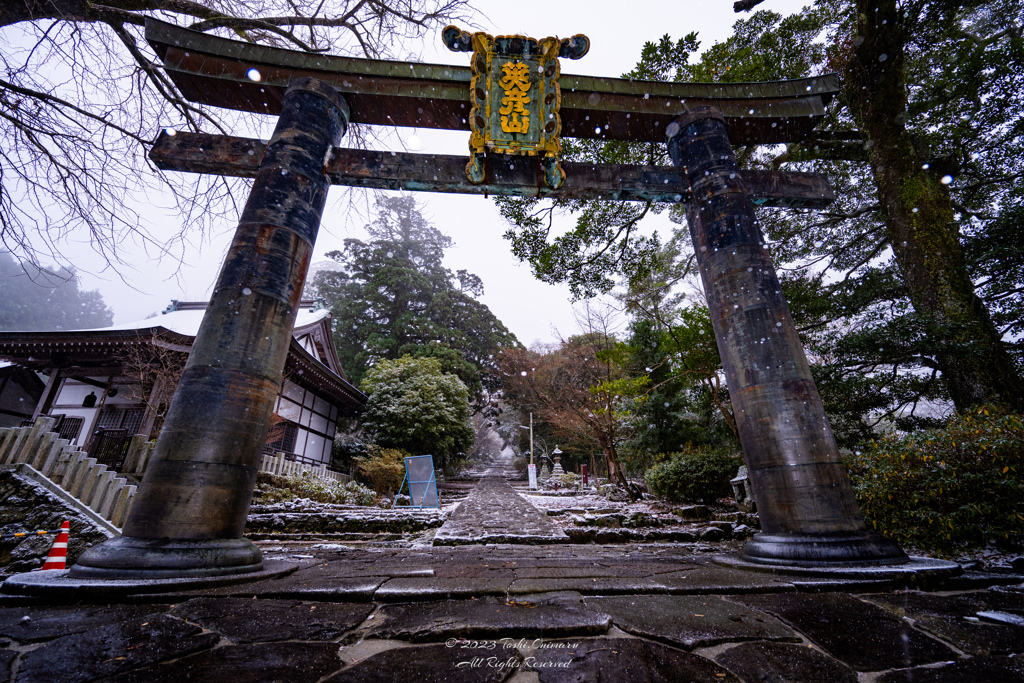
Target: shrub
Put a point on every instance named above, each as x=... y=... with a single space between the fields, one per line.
x=699 y=475
x=520 y=464
x=563 y=481
x=383 y=469
x=274 y=489
x=344 y=452
x=947 y=490
x=566 y=480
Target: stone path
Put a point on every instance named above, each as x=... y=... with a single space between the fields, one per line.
x=491 y=608
x=494 y=513
x=526 y=614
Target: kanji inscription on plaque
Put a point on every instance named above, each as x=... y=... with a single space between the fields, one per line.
x=515 y=97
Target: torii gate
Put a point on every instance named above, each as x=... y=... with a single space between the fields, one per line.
x=189 y=516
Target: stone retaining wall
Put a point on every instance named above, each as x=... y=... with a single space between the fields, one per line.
x=28 y=506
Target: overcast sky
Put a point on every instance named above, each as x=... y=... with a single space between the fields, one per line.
x=530 y=309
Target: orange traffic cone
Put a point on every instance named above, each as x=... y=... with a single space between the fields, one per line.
x=58 y=557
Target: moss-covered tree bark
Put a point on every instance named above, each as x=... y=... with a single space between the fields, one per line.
x=919 y=215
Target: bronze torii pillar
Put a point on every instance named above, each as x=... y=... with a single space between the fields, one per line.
x=190 y=511
x=808 y=513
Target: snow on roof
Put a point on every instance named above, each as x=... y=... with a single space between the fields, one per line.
x=187 y=321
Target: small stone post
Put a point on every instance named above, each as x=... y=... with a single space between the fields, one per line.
x=189 y=513
x=807 y=510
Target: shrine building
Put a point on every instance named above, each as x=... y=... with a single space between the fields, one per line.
x=93 y=381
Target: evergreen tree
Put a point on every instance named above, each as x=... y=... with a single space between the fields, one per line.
x=909 y=288
x=416 y=407
x=33 y=298
x=392 y=297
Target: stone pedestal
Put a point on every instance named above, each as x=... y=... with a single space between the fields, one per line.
x=804 y=499
x=189 y=514
x=557 y=470
x=741 y=491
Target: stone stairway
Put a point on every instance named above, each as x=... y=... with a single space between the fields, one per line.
x=70 y=473
x=494 y=513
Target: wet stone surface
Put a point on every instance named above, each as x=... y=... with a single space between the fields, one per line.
x=429 y=588
x=7 y=658
x=451 y=664
x=691 y=621
x=553 y=615
x=710 y=579
x=784 y=662
x=112 y=649
x=955 y=618
x=474 y=571
x=975 y=670
x=863 y=635
x=588 y=585
x=495 y=513
x=343 y=581
x=622 y=659
x=278 y=662
x=245 y=621
x=644 y=612
x=29 y=624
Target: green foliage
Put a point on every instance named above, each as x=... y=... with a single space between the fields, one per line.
x=695 y=474
x=392 y=297
x=33 y=298
x=947 y=490
x=964 y=78
x=606 y=241
x=682 y=362
x=416 y=407
x=874 y=356
x=566 y=480
x=345 y=451
x=271 y=488
x=383 y=469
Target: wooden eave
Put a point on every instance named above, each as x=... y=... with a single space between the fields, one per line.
x=212 y=70
x=303 y=369
x=322 y=335
x=85 y=349
x=93 y=350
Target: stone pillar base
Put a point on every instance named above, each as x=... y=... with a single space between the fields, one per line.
x=140 y=558
x=858 y=548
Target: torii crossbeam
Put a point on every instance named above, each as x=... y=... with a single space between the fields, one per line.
x=189 y=515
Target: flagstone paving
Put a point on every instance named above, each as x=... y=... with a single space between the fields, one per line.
x=474 y=610
x=469 y=614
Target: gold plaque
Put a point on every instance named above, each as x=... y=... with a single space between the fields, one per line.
x=515 y=97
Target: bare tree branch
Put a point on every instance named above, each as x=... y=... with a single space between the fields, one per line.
x=82 y=95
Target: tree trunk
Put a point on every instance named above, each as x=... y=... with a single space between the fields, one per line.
x=713 y=386
x=918 y=214
x=615 y=473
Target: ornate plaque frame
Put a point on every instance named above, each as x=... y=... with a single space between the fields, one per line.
x=515 y=97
